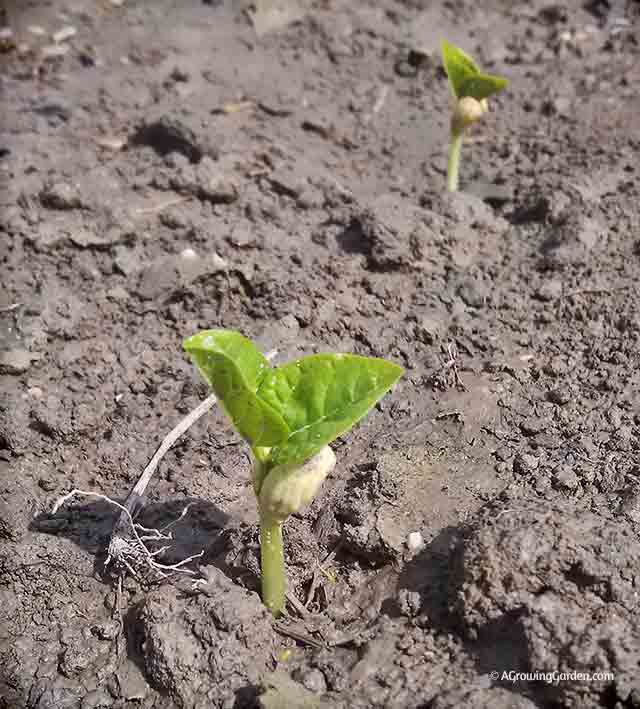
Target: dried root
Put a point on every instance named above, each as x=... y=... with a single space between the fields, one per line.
x=128 y=552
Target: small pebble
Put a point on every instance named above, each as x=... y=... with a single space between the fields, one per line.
x=565 y=478
x=53 y=51
x=473 y=293
x=560 y=395
x=117 y=293
x=114 y=144
x=106 y=631
x=415 y=541
x=64 y=34
x=314 y=681
x=188 y=254
x=503 y=453
x=550 y=290
x=61 y=195
x=533 y=425
x=96 y=699
x=429 y=329
x=16 y=361
x=219 y=264
x=525 y=463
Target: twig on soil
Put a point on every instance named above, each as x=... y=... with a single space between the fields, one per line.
x=297 y=605
x=233 y=107
x=504 y=512
x=380 y=101
x=122 y=549
x=162 y=206
x=594 y=291
x=9 y=308
x=455 y=413
x=293 y=631
x=316 y=575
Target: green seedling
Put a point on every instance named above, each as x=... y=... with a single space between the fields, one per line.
x=288 y=415
x=471 y=90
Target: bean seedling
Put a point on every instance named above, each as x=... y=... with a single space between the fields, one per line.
x=471 y=90
x=288 y=415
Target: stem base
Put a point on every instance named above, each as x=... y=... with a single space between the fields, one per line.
x=455 y=148
x=274 y=583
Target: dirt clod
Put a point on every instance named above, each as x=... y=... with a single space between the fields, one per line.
x=562 y=577
x=205 y=645
x=17 y=361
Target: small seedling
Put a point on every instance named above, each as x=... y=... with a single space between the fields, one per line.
x=288 y=415
x=471 y=90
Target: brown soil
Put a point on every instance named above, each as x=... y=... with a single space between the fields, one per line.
x=304 y=166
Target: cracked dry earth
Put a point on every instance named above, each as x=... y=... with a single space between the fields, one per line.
x=171 y=166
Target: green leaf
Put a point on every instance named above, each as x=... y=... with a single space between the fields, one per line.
x=248 y=359
x=483 y=85
x=233 y=367
x=465 y=78
x=459 y=67
x=322 y=396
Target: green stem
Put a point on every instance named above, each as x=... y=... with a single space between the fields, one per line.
x=274 y=583
x=455 y=147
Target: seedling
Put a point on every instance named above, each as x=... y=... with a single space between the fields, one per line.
x=471 y=90
x=288 y=415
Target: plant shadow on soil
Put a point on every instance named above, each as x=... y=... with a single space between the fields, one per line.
x=199 y=529
x=193 y=525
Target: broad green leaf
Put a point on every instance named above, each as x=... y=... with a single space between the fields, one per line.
x=482 y=86
x=248 y=359
x=322 y=396
x=459 y=67
x=233 y=367
x=465 y=78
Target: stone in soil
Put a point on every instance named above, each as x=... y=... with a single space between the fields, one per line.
x=17 y=361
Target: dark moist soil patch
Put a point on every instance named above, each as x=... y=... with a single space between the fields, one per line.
x=176 y=166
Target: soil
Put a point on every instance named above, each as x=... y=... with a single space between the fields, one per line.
x=173 y=166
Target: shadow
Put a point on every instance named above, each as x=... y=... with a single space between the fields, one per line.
x=88 y=526
x=553 y=240
x=502 y=644
x=195 y=525
x=248 y=697
x=534 y=210
x=436 y=575
x=168 y=135
x=236 y=552
x=428 y=575
x=353 y=240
